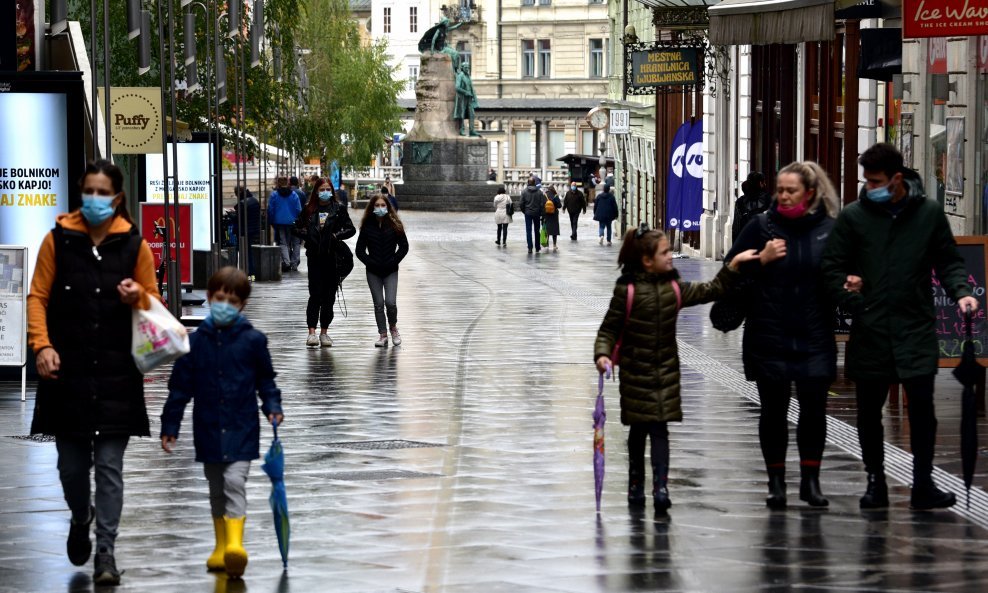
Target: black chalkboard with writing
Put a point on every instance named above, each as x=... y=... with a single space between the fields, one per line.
x=950 y=324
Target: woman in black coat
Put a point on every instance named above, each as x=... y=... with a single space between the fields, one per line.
x=382 y=245
x=323 y=226
x=788 y=332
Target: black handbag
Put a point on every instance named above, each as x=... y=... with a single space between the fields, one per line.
x=509 y=208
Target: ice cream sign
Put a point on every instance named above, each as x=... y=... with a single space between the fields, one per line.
x=940 y=18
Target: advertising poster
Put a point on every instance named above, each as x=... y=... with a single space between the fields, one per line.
x=906 y=138
x=193 y=187
x=135 y=119
x=955 y=155
x=674 y=196
x=34 y=167
x=692 y=198
x=13 y=300
x=153 y=230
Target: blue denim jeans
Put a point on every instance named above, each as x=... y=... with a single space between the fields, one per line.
x=601 y=227
x=533 y=225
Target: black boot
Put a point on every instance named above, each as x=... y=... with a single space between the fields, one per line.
x=876 y=496
x=636 y=485
x=926 y=496
x=809 y=487
x=776 y=489
x=660 y=495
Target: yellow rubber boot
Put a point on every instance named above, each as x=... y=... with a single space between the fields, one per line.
x=235 y=557
x=215 y=560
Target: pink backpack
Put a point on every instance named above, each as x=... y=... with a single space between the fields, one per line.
x=616 y=352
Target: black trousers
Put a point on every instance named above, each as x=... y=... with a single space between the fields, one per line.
x=502 y=229
x=658 y=432
x=871 y=396
x=322 y=291
x=573 y=218
x=773 y=423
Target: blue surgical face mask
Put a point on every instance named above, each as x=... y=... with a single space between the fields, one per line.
x=325 y=196
x=223 y=313
x=880 y=194
x=97 y=209
x=379 y=211
x=574 y=188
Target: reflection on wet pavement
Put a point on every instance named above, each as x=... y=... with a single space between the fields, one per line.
x=461 y=461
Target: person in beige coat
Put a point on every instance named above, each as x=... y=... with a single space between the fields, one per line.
x=501 y=216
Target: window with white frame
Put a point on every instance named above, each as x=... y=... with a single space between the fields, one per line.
x=528 y=58
x=545 y=58
x=528 y=2
x=597 y=58
x=413 y=19
x=523 y=148
x=387 y=19
x=413 y=75
x=545 y=2
x=463 y=49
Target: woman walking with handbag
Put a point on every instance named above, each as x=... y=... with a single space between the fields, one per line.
x=788 y=335
x=503 y=209
x=642 y=319
x=382 y=245
x=323 y=226
x=92 y=270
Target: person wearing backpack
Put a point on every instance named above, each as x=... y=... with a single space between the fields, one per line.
x=503 y=210
x=550 y=215
x=753 y=201
x=381 y=245
x=642 y=319
x=789 y=335
x=323 y=226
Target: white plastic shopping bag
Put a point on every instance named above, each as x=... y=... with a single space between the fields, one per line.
x=158 y=338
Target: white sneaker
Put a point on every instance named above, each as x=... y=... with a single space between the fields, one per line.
x=325 y=341
x=395 y=336
x=601 y=241
x=312 y=341
x=382 y=341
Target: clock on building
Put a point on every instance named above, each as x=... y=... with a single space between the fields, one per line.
x=598 y=118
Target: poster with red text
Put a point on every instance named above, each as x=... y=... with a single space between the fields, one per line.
x=153 y=230
x=942 y=18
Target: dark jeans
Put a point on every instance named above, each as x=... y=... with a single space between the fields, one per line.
x=502 y=231
x=76 y=456
x=871 y=397
x=322 y=291
x=574 y=217
x=773 y=424
x=601 y=226
x=658 y=433
x=533 y=225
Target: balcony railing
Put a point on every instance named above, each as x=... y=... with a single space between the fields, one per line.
x=458 y=13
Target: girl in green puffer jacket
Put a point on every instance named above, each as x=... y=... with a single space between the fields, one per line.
x=649 y=356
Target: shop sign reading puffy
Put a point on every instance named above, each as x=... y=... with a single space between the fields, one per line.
x=940 y=18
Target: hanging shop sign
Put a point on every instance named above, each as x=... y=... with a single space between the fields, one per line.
x=939 y=18
x=135 y=119
x=936 y=56
x=664 y=67
x=983 y=54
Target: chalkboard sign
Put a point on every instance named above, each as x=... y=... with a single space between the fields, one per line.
x=950 y=324
x=842 y=324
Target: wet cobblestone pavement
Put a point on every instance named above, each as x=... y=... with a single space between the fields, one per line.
x=461 y=461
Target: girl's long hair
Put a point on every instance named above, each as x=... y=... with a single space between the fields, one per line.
x=313 y=204
x=637 y=243
x=812 y=176
x=391 y=219
x=116 y=179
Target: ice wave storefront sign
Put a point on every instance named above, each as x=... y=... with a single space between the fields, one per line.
x=944 y=18
x=684 y=200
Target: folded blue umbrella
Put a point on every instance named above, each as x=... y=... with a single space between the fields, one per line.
x=274 y=467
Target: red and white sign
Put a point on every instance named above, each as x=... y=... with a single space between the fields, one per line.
x=936 y=57
x=937 y=18
x=153 y=231
x=983 y=54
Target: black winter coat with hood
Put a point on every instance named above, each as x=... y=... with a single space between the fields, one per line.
x=788 y=330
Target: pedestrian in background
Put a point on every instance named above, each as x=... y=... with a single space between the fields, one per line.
x=93 y=269
x=381 y=245
x=226 y=370
x=753 y=201
x=531 y=207
x=501 y=217
x=284 y=207
x=322 y=226
x=248 y=209
x=605 y=211
x=650 y=390
x=877 y=266
x=789 y=333
x=389 y=197
x=491 y=175
x=550 y=214
x=391 y=186
x=341 y=196
x=574 y=202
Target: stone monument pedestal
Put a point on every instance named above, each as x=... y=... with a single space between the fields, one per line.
x=441 y=169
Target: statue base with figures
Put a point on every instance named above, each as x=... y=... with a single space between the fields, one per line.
x=441 y=169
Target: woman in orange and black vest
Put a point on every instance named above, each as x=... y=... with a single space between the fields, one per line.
x=93 y=268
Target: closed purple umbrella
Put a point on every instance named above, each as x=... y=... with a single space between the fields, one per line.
x=599 y=418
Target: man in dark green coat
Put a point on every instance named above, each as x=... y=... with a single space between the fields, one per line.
x=877 y=265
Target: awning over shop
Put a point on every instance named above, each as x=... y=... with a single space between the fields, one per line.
x=760 y=22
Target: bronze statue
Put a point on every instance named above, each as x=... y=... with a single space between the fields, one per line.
x=466 y=101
